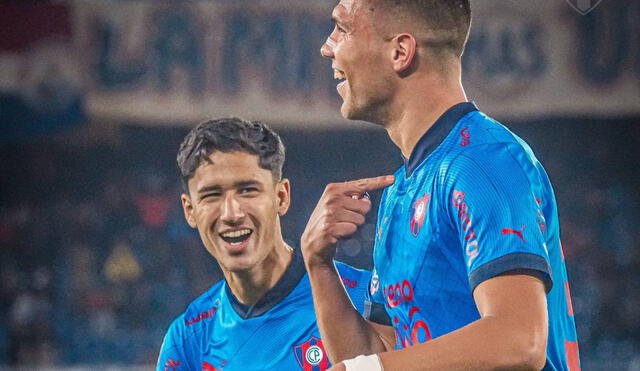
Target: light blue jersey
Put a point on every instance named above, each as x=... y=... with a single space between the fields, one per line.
x=279 y=332
x=471 y=203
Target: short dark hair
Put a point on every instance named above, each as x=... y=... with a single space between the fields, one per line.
x=448 y=20
x=230 y=135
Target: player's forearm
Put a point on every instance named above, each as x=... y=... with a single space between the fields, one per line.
x=487 y=344
x=345 y=334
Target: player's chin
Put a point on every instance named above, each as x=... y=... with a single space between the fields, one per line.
x=348 y=111
x=352 y=113
x=239 y=264
x=345 y=112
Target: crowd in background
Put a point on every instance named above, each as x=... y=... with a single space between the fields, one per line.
x=96 y=259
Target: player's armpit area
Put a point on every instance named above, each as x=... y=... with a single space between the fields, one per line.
x=386 y=333
x=376 y=312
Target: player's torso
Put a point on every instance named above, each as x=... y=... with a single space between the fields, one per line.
x=419 y=258
x=418 y=261
x=285 y=338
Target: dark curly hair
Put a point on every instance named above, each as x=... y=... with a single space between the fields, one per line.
x=229 y=135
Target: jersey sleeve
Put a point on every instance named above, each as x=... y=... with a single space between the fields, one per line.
x=175 y=354
x=493 y=209
x=357 y=283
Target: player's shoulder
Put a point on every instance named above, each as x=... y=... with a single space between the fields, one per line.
x=485 y=142
x=185 y=333
x=203 y=306
x=477 y=129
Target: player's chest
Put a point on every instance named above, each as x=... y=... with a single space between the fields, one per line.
x=408 y=228
x=403 y=243
x=288 y=340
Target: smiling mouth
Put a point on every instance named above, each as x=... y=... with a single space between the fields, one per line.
x=338 y=74
x=236 y=237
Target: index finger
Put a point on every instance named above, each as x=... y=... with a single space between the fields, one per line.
x=368 y=184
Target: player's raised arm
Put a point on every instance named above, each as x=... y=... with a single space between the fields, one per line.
x=339 y=213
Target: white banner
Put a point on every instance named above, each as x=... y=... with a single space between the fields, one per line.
x=180 y=62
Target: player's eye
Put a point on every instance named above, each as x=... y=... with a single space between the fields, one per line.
x=210 y=195
x=249 y=190
x=340 y=29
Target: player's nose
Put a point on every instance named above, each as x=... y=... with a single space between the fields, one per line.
x=326 y=50
x=232 y=212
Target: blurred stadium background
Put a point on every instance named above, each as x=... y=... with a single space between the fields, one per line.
x=95 y=96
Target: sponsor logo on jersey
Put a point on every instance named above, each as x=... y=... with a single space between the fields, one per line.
x=410 y=326
x=517 y=232
x=542 y=222
x=466 y=137
x=171 y=364
x=206 y=366
x=419 y=211
x=311 y=355
x=205 y=315
x=349 y=283
x=470 y=237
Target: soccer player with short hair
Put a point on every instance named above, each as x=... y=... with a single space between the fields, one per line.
x=467 y=256
x=261 y=316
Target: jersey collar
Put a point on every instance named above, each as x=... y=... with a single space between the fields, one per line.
x=436 y=134
x=289 y=280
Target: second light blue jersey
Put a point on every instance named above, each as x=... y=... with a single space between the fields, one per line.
x=217 y=333
x=471 y=203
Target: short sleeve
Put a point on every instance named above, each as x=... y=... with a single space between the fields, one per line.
x=357 y=283
x=492 y=205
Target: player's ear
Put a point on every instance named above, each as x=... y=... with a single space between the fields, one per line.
x=187 y=208
x=404 y=52
x=284 y=196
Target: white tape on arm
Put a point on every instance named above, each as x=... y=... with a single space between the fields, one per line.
x=364 y=363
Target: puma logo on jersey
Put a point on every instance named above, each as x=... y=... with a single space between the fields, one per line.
x=516 y=232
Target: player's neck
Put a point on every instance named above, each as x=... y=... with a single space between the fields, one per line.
x=250 y=286
x=417 y=109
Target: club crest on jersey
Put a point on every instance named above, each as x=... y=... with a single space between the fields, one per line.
x=311 y=355
x=419 y=210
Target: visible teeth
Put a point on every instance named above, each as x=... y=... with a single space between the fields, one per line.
x=338 y=75
x=238 y=233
